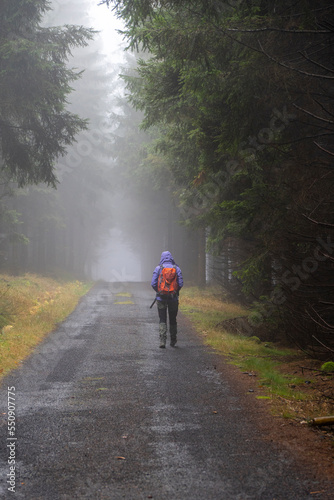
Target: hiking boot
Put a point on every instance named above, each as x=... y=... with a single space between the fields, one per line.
x=163 y=334
x=173 y=334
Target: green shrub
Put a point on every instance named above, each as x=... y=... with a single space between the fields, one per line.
x=328 y=367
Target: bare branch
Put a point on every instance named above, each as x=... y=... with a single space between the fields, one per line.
x=323 y=149
x=280 y=30
x=323 y=345
x=330 y=122
x=315 y=62
x=322 y=107
x=327 y=325
x=323 y=224
x=313 y=75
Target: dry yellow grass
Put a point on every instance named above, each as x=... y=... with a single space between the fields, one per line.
x=210 y=300
x=31 y=307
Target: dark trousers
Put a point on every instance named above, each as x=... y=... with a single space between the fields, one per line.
x=172 y=306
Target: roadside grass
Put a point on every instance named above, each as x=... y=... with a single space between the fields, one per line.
x=276 y=368
x=30 y=308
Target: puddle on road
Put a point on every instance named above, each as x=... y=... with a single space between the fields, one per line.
x=89 y=379
x=123 y=295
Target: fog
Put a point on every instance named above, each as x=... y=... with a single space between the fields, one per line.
x=112 y=257
x=88 y=174
x=116 y=261
x=108 y=218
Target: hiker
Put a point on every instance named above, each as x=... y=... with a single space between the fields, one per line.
x=167 y=281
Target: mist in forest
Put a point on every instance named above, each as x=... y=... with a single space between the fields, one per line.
x=112 y=258
x=228 y=164
x=107 y=217
x=126 y=219
x=83 y=228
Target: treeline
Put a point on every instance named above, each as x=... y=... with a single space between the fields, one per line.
x=239 y=95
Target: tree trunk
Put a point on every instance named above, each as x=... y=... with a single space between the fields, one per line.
x=201 y=267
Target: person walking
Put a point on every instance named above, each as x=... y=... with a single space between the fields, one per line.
x=167 y=282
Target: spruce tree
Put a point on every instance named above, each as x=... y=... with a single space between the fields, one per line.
x=35 y=81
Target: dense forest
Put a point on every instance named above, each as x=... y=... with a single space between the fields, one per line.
x=214 y=140
x=240 y=98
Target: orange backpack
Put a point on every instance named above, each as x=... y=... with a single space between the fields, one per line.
x=167 y=281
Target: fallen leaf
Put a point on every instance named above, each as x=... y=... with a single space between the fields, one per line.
x=120 y=458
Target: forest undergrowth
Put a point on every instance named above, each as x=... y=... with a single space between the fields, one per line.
x=295 y=385
x=31 y=307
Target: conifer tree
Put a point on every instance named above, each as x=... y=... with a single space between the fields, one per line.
x=35 y=124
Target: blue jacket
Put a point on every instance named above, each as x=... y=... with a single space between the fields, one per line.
x=166 y=259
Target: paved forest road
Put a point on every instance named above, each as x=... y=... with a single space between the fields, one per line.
x=103 y=413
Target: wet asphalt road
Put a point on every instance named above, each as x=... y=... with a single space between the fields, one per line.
x=103 y=413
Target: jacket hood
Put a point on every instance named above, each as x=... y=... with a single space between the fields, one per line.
x=166 y=257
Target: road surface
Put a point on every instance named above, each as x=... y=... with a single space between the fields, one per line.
x=102 y=413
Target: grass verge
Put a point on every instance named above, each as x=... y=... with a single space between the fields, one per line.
x=285 y=376
x=31 y=307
